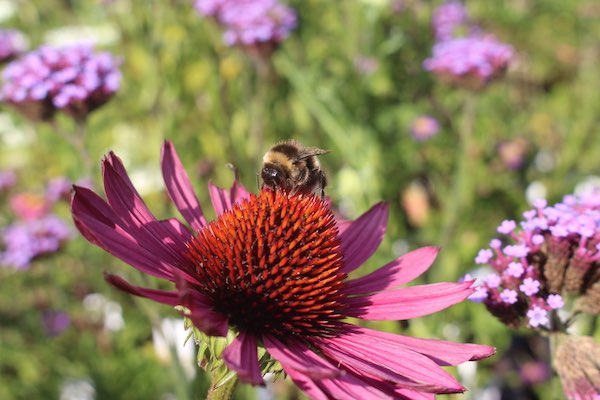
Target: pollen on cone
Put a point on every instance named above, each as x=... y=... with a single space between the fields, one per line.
x=273 y=264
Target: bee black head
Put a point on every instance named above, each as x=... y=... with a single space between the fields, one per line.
x=273 y=175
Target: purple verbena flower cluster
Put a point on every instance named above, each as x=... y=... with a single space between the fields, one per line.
x=471 y=60
x=250 y=22
x=34 y=230
x=447 y=19
x=27 y=240
x=73 y=79
x=12 y=43
x=553 y=252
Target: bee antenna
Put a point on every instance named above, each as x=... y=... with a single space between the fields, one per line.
x=234 y=170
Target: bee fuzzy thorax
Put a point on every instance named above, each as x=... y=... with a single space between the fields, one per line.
x=292 y=167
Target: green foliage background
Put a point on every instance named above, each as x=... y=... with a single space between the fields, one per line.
x=180 y=82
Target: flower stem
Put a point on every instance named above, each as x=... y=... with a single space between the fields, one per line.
x=461 y=191
x=224 y=391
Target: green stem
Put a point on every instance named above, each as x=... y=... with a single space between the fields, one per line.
x=224 y=391
x=461 y=192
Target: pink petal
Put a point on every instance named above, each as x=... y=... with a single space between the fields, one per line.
x=202 y=312
x=135 y=217
x=317 y=377
x=363 y=236
x=180 y=188
x=223 y=199
x=241 y=357
x=388 y=362
x=440 y=351
x=98 y=224
x=297 y=356
x=410 y=302
x=403 y=269
x=170 y=298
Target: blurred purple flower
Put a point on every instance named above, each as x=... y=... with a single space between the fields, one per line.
x=554 y=250
x=72 y=79
x=8 y=179
x=424 y=127
x=470 y=61
x=447 y=19
x=250 y=22
x=23 y=241
x=58 y=189
x=55 y=322
x=12 y=43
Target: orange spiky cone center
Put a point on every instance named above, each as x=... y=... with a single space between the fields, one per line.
x=273 y=264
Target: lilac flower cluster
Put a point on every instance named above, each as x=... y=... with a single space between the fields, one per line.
x=250 y=22
x=472 y=60
x=72 y=79
x=12 y=43
x=554 y=251
x=35 y=231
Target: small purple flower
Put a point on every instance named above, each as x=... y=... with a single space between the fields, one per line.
x=479 y=295
x=58 y=188
x=72 y=79
x=424 y=128
x=515 y=269
x=493 y=281
x=12 y=43
x=507 y=226
x=470 y=61
x=8 y=179
x=250 y=22
x=55 y=322
x=537 y=317
x=517 y=250
x=555 y=301
x=484 y=256
x=530 y=286
x=509 y=296
x=448 y=18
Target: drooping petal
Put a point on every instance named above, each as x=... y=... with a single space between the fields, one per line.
x=241 y=357
x=180 y=188
x=402 y=270
x=316 y=376
x=170 y=298
x=411 y=302
x=134 y=215
x=363 y=236
x=99 y=224
x=297 y=356
x=224 y=199
x=203 y=314
x=440 y=351
x=387 y=362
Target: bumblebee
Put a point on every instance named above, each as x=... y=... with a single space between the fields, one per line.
x=294 y=168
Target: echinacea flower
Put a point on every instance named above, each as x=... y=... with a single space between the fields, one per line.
x=73 y=79
x=273 y=268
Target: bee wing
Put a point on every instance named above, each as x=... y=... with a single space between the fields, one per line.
x=310 y=151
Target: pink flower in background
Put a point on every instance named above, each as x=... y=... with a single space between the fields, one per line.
x=250 y=22
x=8 y=179
x=73 y=79
x=424 y=128
x=469 y=61
x=448 y=18
x=12 y=43
x=553 y=251
x=29 y=206
x=273 y=268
